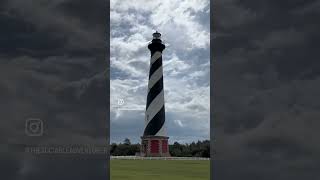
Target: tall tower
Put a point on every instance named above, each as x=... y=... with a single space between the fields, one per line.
x=154 y=139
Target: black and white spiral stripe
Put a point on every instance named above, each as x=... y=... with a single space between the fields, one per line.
x=155 y=111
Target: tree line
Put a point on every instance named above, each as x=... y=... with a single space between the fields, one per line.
x=194 y=149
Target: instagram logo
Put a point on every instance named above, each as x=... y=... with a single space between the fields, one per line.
x=34 y=127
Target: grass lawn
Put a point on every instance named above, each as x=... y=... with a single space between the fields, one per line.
x=159 y=170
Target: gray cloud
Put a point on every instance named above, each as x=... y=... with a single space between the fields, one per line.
x=53 y=64
x=265 y=90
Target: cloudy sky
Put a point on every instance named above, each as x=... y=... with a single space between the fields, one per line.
x=266 y=89
x=52 y=64
x=185 y=29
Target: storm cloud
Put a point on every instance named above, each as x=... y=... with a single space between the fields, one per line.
x=266 y=89
x=53 y=68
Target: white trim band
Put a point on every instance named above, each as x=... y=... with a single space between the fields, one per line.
x=155 y=78
x=155 y=56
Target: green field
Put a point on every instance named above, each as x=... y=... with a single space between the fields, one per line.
x=159 y=170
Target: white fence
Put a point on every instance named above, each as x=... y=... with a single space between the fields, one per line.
x=157 y=158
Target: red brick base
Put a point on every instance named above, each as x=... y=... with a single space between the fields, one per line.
x=154 y=146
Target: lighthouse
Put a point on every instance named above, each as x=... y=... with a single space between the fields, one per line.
x=154 y=141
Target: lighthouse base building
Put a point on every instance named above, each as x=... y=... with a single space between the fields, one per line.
x=154 y=142
x=155 y=146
